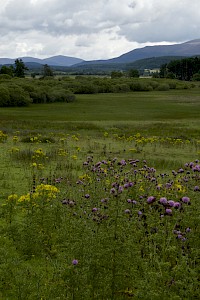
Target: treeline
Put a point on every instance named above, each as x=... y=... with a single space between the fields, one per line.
x=183 y=69
x=24 y=91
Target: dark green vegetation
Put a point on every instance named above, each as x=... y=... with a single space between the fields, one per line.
x=184 y=69
x=100 y=197
x=24 y=91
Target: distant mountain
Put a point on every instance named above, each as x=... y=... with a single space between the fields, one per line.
x=189 y=48
x=127 y=60
x=59 y=60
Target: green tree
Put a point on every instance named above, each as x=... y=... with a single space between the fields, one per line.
x=133 y=73
x=116 y=74
x=7 y=70
x=47 y=71
x=20 y=68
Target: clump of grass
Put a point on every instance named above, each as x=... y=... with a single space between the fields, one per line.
x=36 y=139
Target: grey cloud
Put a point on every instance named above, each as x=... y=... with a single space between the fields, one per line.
x=100 y=26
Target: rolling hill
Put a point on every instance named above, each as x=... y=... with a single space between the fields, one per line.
x=141 y=58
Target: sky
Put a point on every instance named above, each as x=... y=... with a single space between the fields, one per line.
x=93 y=29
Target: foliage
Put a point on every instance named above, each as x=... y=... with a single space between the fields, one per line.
x=183 y=69
x=20 y=68
x=133 y=73
x=116 y=74
x=47 y=71
x=7 y=70
x=49 y=89
x=106 y=206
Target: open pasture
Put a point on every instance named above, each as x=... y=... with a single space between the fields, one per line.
x=100 y=197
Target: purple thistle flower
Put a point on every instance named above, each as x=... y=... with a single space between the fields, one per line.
x=179 y=236
x=126 y=185
x=168 y=185
x=122 y=162
x=163 y=200
x=127 y=211
x=151 y=199
x=75 y=262
x=168 y=211
x=185 y=199
x=188 y=229
x=177 y=204
x=129 y=200
x=120 y=189
x=113 y=191
x=134 y=202
x=94 y=209
x=87 y=196
x=196 y=188
x=139 y=213
x=171 y=203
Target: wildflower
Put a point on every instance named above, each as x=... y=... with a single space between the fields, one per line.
x=188 y=229
x=139 y=213
x=122 y=162
x=113 y=191
x=177 y=204
x=179 y=236
x=94 y=209
x=151 y=199
x=126 y=185
x=163 y=200
x=127 y=211
x=185 y=199
x=196 y=188
x=87 y=196
x=168 y=211
x=134 y=202
x=129 y=200
x=75 y=262
x=120 y=189
x=12 y=198
x=171 y=203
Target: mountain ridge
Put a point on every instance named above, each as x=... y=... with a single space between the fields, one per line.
x=186 y=49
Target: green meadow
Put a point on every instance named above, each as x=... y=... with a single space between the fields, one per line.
x=100 y=197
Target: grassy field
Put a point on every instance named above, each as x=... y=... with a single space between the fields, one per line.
x=99 y=197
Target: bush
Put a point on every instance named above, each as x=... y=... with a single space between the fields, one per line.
x=196 y=77
x=5 y=76
x=121 y=88
x=163 y=87
x=140 y=87
x=18 y=97
x=4 y=96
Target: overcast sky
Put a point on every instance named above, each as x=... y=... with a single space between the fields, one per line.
x=93 y=29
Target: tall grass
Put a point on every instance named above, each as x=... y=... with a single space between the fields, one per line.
x=99 y=198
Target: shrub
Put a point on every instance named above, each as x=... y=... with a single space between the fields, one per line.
x=163 y=87
x=196 y=77
x=140 y=86
x=5 y=77
x=121 y=88
x=4 y=96
x=18 y=97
